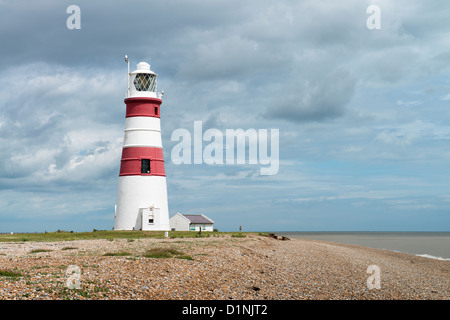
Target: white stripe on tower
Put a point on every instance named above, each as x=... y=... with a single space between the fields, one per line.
x=142 y=132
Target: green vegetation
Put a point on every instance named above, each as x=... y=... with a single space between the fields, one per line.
x=40 y=250
x=117 y=254
x=73 y=294
x=108 y=235
x=10 y=274
x=39 y=267
x=238 y=235
x=166 y=253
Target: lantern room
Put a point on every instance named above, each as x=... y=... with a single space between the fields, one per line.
x=142 y=82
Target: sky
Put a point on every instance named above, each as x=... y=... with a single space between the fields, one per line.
x=362 y=113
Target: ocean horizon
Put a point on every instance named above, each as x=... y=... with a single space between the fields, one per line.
x=435 y=245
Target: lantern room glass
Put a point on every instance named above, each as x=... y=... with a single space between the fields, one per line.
x=145 y=82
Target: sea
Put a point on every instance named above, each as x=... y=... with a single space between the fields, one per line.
x=434 y=245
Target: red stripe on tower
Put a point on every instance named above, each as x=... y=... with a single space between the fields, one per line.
x=132 y=164
x=143 y=107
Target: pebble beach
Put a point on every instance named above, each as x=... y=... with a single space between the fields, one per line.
x=251 y=267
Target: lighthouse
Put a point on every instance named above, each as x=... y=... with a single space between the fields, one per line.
x=142 y=190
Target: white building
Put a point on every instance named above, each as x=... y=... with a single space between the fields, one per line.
x=191 y=222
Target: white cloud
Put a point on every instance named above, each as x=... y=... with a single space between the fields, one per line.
x=54 y=132
x=446 y=97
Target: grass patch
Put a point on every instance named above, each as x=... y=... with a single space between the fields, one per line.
x=117 y=254
x=71 y=294
x=238 y=235
x=69 y=248
x=110 y=235
x=166 y=253
x=100 y=234
x=185 y=257
x=10 y=274
x=40 y=250
x=100 y=289
x=39 y=267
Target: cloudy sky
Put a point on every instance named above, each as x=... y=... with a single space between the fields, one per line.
x=363 y=114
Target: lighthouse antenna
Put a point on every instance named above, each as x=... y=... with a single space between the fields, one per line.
x=128 y=75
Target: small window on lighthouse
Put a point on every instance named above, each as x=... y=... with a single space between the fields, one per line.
x=151 y=218
x=145 y=165
x=145 y=82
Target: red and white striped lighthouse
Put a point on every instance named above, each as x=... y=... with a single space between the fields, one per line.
x=142 y=190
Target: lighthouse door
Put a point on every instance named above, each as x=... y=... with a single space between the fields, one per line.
x=149 y=218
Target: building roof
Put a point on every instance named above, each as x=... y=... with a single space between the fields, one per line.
x=197 y=218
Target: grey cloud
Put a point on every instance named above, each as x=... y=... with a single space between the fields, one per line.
x=37 y=30
x=324 y=97
x=230 y=57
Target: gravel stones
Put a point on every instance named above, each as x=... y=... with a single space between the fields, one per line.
x=225 y=267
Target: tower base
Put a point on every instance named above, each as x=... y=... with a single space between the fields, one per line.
x=137 y=208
